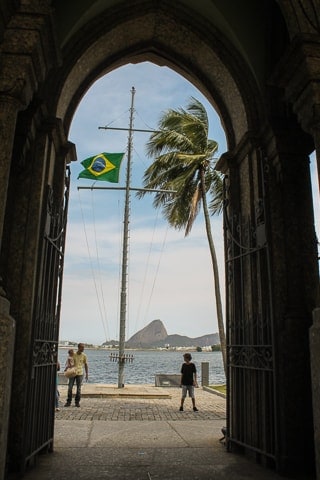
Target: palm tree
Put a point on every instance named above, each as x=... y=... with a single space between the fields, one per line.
x=183 y=172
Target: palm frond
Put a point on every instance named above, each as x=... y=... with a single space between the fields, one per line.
x=180 y=148
x=166 y=141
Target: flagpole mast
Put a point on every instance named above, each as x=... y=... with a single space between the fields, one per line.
x=121 y=357
x=124 y=275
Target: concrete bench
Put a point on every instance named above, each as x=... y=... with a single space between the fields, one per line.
x=167 y=380
x=62 y=380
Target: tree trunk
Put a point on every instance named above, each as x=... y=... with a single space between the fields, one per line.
x=215 y=272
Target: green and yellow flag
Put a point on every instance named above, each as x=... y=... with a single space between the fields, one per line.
x=104 y=166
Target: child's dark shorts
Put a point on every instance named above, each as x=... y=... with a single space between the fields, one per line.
x=187 y=388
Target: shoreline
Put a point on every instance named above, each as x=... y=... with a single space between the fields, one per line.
x=145 y=349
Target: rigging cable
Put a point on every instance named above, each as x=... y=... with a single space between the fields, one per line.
x=149 y=252
x=145 y=124
x=146 y=271
x=91 y=265
x=103 y=309
x=156 y=273
x=120 y=116
x=150 y=249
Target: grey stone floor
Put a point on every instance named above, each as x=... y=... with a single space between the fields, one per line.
x=143 y=403
x=142 y=437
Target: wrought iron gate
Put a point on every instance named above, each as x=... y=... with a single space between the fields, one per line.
x=42 y=384
x=251 y=377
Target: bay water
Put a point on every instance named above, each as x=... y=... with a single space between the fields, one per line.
x=146 y=364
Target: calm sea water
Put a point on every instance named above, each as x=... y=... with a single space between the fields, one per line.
x=146 y=364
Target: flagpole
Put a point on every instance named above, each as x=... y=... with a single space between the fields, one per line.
x=124 y=275
x=121 y=357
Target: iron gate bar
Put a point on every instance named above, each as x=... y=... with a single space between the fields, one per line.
x=250 y=356
x=241 y=255
x=42 y=382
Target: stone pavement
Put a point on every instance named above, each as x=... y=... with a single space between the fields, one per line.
x=140 y=402
x=138 y=433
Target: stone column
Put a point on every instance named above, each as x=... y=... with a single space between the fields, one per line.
x=28 y=52
x=7 y=335
x=8 y=113
x=9 y=107
x=298 y=74
x=315 y=375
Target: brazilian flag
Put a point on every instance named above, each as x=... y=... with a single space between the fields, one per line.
x=104 y=166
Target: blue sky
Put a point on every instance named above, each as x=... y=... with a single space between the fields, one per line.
x=170 y=276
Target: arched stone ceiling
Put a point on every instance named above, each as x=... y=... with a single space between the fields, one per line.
x=208 y=42
x=243 y=23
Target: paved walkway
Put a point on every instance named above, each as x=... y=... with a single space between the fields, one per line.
x=138 y=433
x=140 y=402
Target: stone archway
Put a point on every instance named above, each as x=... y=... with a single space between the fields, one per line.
x=271 y=287
x=255 y=312
x=186 y=53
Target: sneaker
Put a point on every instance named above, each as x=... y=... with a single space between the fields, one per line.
x=181 y=409
x=67 y=404
x=195 y=409
x=77 y=405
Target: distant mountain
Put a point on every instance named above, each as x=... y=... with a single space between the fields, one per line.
x=155 y=335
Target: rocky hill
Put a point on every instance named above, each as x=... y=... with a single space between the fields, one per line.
x=155 y=335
